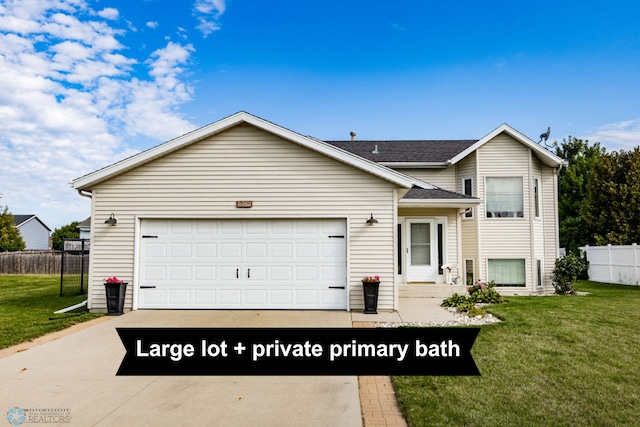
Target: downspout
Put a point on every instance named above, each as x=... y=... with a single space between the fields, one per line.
x=88 y=194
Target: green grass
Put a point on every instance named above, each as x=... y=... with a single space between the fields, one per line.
x=554 y=361
x=27 y=303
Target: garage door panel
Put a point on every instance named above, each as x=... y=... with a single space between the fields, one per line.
x=155 y=272
x=231 y=297
x=243 y=264
x=179 y=297
x=180 y=273
x=229 y=273
x=306 y=297
x=281 y=273
x=256 y=297
x=230 y=228
x=231 y=250
x=181 y=228
x=306 y=250
x=306 y=273
x=256 y=250
x=204 y=297
x=206 y=250
x=205 y=273
x=281 y=250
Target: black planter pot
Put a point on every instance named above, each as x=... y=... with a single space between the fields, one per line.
x=370 y=297
x=115 y=293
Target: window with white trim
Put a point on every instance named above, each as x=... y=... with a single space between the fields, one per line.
x=539 y=283
x=467 y=190
x=507 y=272
x=504 y=197
x=536 y=196
x=469 y=271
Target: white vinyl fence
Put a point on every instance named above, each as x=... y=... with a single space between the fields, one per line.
x=614 y=264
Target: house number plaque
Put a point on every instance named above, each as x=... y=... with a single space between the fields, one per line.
x=244 y=204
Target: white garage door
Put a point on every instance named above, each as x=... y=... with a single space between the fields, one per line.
x=251 y=264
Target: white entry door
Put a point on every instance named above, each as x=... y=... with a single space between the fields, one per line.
x=270 y=263
x=422 y=259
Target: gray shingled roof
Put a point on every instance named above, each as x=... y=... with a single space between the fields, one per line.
x=19 y=219
x=428 y=151
x=435 y=193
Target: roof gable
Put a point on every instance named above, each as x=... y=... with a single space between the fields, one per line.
x=87 y=181
x=21 y=220
x=546 y=156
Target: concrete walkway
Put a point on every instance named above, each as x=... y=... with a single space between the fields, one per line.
x=76 y=372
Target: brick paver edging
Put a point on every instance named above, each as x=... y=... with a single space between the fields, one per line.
x=377 y=397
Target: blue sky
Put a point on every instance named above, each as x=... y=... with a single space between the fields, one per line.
x=84 y=83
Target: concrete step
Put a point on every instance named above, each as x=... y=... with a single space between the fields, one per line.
x=430 y=290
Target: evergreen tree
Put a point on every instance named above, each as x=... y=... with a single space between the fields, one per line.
x=10 y=238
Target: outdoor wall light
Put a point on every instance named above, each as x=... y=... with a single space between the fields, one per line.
x=112 y=220
x=372 y=220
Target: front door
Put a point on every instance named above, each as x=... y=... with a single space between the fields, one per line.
x=422 y=260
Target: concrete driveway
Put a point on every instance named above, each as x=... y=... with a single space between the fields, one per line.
x=76 y=373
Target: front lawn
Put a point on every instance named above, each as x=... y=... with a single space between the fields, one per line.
x=554 y=361
x=27 y=303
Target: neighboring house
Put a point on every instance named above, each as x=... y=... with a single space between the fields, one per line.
x=243 y=213
x=85 y=229
x=34 y=232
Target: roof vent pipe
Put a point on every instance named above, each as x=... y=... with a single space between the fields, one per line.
x=375 y=150
x=353 y=135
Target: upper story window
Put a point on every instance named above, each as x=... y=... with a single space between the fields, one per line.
x=467 y=190
x=536 y=196
x=504 y=197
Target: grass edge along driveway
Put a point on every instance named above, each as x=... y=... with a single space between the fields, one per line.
x=27 y=303
x=554 y=361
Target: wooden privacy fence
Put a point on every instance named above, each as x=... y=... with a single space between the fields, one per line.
x=614 y=264
x=30 y=262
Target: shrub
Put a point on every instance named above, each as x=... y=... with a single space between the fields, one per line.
x=467 y=306
x=477 y=311
x=485 y=293
x=455 y=300
x=567 y=270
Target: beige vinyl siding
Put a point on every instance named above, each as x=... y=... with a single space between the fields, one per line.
x=281 y=178
x=537 y=224
x=507 y=238
x=451 y=232
x=550 y=224
x=466 y=168
x=443 y=178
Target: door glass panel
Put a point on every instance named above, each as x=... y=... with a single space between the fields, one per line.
x=420 y=244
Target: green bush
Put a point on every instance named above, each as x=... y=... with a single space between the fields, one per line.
x=454 y=300
x=485 y=293
x=477 y=311
x=487 y=296
x=465 y=306
x=567 y=270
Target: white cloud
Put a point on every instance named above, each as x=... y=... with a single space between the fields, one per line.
x=70 y=95
x=207 y=12
x=109 y=13
x=152 y=24
x=623 y=135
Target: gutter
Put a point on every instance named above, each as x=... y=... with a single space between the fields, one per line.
x=87 y=194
